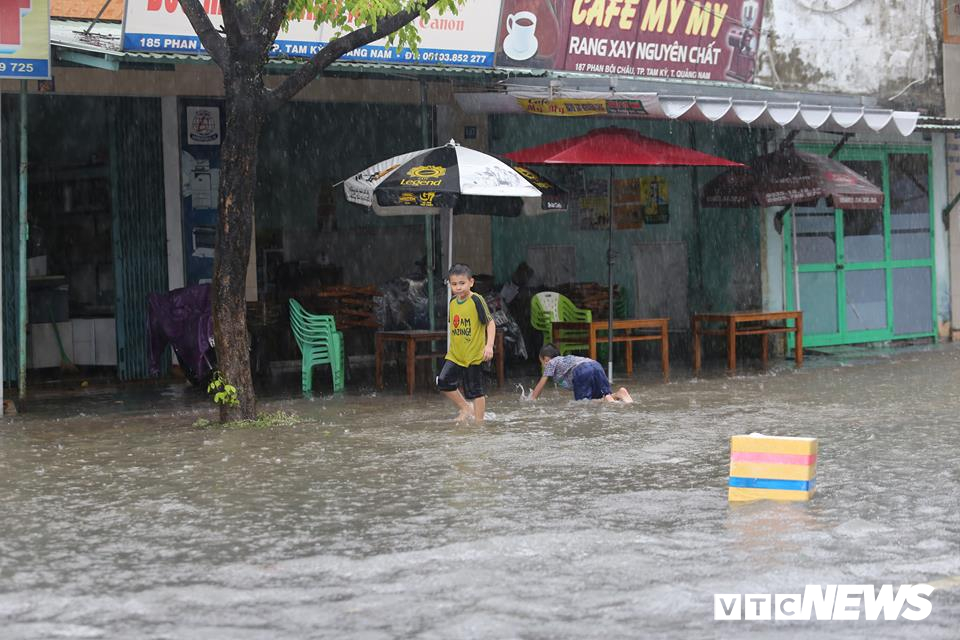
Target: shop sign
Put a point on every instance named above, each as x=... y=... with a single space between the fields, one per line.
x=677 y=39
x=462 y=40
x=24 y=39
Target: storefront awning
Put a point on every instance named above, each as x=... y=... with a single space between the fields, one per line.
x=728 y=104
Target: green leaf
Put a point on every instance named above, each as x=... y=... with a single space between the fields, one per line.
x=346 y=16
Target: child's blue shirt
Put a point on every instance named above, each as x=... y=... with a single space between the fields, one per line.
x=561 y=369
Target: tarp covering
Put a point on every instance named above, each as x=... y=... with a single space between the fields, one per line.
x=182 y=318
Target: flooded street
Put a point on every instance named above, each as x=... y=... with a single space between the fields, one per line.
x=377 y=517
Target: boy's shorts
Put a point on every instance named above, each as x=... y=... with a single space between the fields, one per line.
x=590 y=382
x=453 y=376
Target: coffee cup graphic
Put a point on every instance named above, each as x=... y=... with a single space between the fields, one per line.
x=521 y=41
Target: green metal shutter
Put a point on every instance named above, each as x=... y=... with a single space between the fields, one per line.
x=139 y=229
x=11 y=233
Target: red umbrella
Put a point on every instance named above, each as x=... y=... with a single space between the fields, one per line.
x=615 y=146
x=787 y=177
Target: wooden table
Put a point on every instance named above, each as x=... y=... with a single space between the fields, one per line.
x=623 y=331
x=411 y=338
x=756 y=323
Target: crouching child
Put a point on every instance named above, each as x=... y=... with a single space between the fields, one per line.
x=584 y=376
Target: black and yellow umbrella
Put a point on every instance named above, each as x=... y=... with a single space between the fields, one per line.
x=454 y=179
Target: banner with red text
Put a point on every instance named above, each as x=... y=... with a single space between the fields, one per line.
x=679 y=39
x=24 y=39
x=463 y=40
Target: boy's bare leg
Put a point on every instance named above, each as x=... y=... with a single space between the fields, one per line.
x=479 y=407
x=457 y=398
x=622 y=395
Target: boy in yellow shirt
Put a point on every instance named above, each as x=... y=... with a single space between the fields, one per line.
x=472 y=332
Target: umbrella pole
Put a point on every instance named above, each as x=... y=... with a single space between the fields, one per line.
x=610 y=274
x=429 y=267
x=427 y=220
x=796 y=265
x=449 y=264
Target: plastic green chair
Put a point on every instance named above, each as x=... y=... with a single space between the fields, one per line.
x=548 y=307
x=319 y=342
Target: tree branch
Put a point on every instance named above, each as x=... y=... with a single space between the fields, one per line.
x=299 y=79
x=275 y=12
x=231 y=23
x=211 y=39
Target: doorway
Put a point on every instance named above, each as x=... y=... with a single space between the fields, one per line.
x=867 y=275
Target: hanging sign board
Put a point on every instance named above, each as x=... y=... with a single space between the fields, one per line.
x=586 y=106
x=679 y=39
x=462 y=40
x=25 y=39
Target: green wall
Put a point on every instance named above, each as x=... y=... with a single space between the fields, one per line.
x=10 y=209
x=722 y=245
x=306 y=148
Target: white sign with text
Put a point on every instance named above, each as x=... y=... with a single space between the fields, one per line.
x=466 y=39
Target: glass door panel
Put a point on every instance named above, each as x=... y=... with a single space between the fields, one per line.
x=816 y=285
x=816 y=234
x=818 y=299
x=863 y=235
x=912 y=300
x=909 y=206
x=863 y=228
x=866 y=293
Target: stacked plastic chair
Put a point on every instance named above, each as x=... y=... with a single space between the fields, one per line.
x=320 y=343
x=548 y=307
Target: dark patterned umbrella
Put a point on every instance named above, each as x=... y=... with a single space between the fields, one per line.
x=788 y=176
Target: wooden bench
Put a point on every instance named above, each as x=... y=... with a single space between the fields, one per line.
x=411 y=338
x=757 y=323
x=625 y=330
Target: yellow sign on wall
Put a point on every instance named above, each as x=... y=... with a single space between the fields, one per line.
x=640 y=201
x=582 y=107
x=25 y=39
x=951 y=21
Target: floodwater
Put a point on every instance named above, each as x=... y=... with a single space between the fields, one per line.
x=377 y=517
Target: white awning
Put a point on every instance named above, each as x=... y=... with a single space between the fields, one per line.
x=774 y=112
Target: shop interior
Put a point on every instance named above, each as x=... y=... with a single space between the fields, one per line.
x=70 y=268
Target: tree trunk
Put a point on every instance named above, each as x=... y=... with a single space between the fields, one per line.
x=238 y=175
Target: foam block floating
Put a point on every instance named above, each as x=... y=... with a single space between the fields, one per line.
x=772 y=468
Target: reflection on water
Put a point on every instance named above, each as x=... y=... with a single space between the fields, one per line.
x=377 y=517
